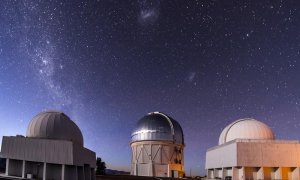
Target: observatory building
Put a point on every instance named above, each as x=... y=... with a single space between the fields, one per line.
x=52 y=149
x=157 y=145
x=248 y=150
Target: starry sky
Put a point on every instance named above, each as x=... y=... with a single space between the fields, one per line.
x=107 y=63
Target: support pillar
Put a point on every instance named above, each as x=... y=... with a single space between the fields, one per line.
x=93 y=174
x=237 y=173
x=87 y=172
x=135 y=169
x=7 y=167
x=218 y=173
x=215 y=173
x=243 y=173
x=207 y=174
x=295 y=173
x=83 y=172
x=260 y=173
x=23 y=169
x=210 y=173
x=222 y=173
x=63 y=168
x=169 y=170
x=44 y=171
x=76 y=173
x=150 y=173
x=279 y=173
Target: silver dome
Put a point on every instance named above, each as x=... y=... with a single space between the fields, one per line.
x=54 y=125
x=157 y=126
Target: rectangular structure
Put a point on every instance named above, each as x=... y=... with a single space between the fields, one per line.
x=254 y=159
x=47 y=159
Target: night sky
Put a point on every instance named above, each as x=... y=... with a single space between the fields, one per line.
x=108 y=63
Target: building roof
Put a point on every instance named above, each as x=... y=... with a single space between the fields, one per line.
x=157 y=126
x=54 y=125
x=246 y=129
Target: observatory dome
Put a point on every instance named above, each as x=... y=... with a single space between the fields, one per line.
x=246 y=129
x=54 y=125
x=157 y=126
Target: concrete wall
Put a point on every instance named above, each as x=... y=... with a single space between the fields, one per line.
x=47 y=150
x=254 y=154
x=221 y=156
x=269 y=154
x=46 y=158
x=255 y=159
x=83 y=156
x=157 y=158
x=38 y=150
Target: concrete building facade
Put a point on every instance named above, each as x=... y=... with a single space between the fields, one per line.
x=248 y=150
x=52 y=149
x=157 y=145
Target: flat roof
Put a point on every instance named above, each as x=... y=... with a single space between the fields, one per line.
x=255 y=141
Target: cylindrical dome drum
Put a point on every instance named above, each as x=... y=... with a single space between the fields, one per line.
x=157 y=144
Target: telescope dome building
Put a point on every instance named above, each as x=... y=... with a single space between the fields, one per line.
x=52 y=149
x=246 y=129
x=157 y=144
x=248 y=150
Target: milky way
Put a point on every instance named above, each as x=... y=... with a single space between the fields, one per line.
x=108 y=63
x=149 y=11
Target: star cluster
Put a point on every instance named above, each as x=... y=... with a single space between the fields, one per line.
x=107 y=63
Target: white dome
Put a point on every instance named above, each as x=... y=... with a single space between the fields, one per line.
x=246 y=129
x=54 y=125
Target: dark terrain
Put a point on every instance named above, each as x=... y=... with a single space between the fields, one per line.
x=128 y=177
